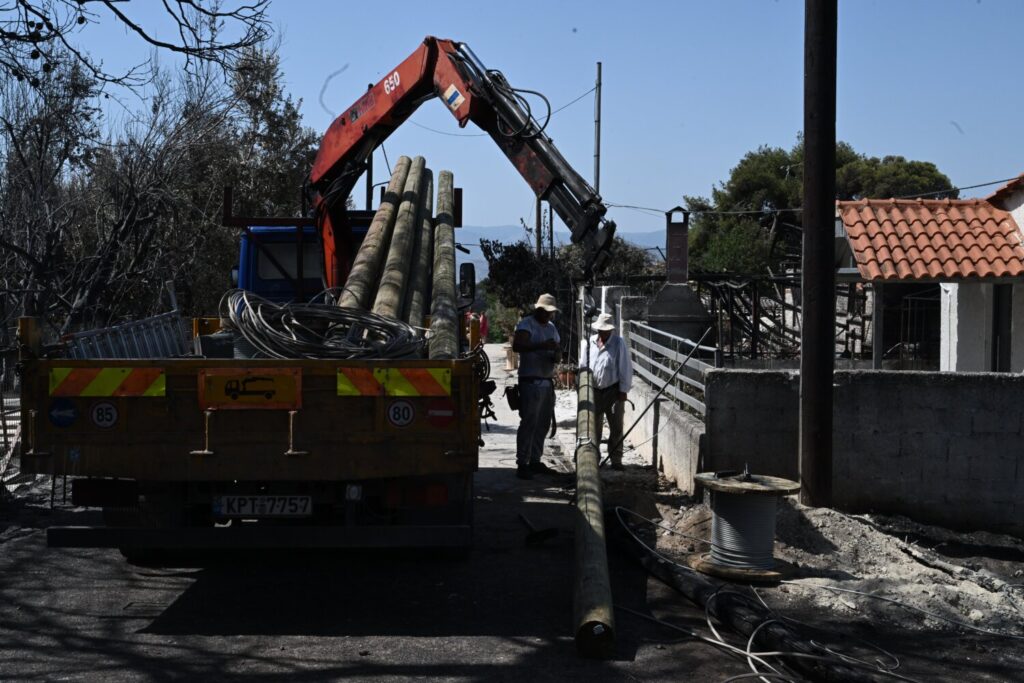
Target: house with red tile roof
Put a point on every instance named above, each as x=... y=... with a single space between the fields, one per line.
x=954 y=268
x=1010 y=197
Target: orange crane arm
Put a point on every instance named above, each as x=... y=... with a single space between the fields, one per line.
x=449 y=70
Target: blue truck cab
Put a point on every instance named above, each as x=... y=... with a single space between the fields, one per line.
x=266 y=251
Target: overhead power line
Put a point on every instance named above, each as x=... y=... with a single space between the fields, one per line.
x=761 y=212
x=965 y=187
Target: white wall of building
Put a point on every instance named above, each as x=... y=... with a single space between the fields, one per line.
x=966 y=319
x=1017 y=330
x=1014 y=203
x=947 y=327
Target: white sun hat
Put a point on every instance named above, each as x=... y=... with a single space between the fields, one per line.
x=603 y=323
x=547 y=302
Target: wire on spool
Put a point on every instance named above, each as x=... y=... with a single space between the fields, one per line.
x=742 y=530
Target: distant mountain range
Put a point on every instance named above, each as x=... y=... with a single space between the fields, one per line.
x=470 y=236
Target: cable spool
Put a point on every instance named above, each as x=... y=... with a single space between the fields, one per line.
x=742 y=525
x=742 y=531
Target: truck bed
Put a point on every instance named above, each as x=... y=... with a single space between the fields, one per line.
x=347 y=420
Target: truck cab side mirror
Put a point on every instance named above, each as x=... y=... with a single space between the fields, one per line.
x=467 y=281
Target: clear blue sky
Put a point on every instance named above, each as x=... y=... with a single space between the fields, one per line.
x=689 y=87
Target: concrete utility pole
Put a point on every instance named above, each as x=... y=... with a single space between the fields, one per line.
x=597 y=130
x=818 y=289
x=538 y=230
x=551 y=232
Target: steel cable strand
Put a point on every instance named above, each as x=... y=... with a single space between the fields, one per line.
x=895 y=661
x=741 y=653
x=317 y=330
x=839 y=662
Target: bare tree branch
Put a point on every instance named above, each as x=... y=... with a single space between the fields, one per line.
x=34 y=34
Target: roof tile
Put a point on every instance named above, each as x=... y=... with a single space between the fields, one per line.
x=1006 y=190
x=900 y=239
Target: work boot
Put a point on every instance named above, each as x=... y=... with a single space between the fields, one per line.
x=618 y=466
x=523 y=472
x=540 y=468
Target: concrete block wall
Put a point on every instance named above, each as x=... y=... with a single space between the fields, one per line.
x=751 y=420
x=941 y=448
x=667 y=437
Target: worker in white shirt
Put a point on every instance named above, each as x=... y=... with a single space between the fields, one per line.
x=537 y=342
x=613 y=376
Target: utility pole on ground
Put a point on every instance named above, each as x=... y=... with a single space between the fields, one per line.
x=817 y=346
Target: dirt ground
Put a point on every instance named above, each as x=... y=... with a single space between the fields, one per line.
x=948 y=605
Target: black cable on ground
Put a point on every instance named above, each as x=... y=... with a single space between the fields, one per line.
x=318 y=330
x=742 y=614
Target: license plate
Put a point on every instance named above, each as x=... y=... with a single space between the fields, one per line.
x=262 y=506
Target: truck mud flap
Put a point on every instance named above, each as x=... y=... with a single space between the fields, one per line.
x=256 y=537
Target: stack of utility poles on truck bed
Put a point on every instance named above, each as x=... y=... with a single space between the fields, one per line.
x=405 y=233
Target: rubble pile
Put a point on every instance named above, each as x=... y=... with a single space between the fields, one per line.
x=838 y=562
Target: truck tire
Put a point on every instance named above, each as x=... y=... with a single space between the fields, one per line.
x=161 y=508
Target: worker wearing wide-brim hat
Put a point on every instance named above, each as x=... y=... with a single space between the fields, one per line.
x=608 y=359
x=537 y=342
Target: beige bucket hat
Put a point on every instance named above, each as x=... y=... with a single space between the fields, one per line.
x=603 y=323
x=547 y=302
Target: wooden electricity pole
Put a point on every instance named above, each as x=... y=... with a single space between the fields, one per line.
x=817 y=346
x=597 y=131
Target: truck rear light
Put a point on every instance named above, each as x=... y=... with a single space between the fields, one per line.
x=393 y=496
x=428 y=495
x=434 y=494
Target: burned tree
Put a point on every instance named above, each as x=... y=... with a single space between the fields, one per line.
x=37 y=36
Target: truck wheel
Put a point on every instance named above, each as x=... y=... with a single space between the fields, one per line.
x=161 y=509
x=121 y=517
x=126 y=518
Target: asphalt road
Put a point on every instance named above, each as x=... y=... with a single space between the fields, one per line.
x=503 y=613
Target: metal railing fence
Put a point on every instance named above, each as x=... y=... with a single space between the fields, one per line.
x=657 y=355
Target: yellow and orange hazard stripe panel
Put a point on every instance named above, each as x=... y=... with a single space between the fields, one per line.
x=394 y=382
x=108 y=382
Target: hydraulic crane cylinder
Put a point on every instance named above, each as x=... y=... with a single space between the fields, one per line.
x=395 y=279
x=362 y=281
x=416 y=300
x=444 y=324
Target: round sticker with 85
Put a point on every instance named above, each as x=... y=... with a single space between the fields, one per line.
x=104 y=414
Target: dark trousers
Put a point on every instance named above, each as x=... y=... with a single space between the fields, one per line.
x=608 y=406
x=536 y=402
